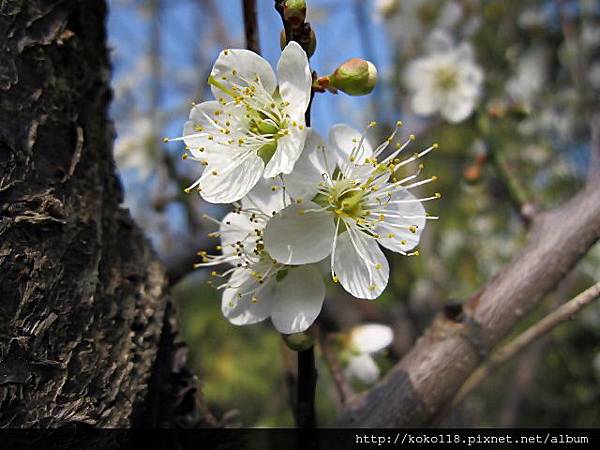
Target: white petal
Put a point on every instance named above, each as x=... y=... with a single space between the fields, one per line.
x=363 y=272
x=234 y=227
x=288 y=151
x=265 y=199
x=362 y=368
x=457 y=108
x=371 y=338
x=246 y=64
x=403 y=239
x=194 y=138
x=309 y=169
x=439 y=42
x=242 y=311
x=295 y=238
x=233 y=180
x=343 y=140
x=295 y=79
x=298 y=299
x=424 y=102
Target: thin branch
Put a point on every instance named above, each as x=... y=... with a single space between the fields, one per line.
x=533 y=333
x=594 y=169
x=517 y=193
x=251 y=25
x=345 y=391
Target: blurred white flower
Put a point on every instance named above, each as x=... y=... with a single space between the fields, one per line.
x=255 y=128
x=349 y=211
x=447 y=80
x=257 y=287
x=408 y=20
x=530 y=76
x=136 y=147
x=365 y=341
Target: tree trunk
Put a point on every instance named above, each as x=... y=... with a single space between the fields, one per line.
x=87 y=329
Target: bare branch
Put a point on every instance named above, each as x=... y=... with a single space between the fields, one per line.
x=251 y=26
x=536 y=331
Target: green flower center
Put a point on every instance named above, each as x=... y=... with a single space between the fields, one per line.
x=446 y=78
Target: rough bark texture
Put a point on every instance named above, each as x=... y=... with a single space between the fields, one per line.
x=83 y=297
x=428 y=377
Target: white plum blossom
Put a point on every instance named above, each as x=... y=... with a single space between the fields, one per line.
x=409 y=20
x=447 y=80
x=255 y=128
x=257 y=287
x=347 y=204
x=364 y=342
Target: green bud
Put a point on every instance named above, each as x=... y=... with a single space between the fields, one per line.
x=294 y=12
x=300 y=341
x=355 y=77
x=312 y=45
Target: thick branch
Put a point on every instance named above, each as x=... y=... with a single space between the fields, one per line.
x=533 y=333
x=420 y=385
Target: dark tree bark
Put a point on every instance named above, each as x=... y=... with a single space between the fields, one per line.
x=87 y=332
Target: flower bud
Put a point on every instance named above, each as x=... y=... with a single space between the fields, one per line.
x=309 y=49
x=294 y=12
x=355 y=77
x=300 y=341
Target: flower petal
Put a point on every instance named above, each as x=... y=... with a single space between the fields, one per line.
x=360 y=265
x=308 y=171
x=227 y=180
x=297 y=237
x=362 y=368
x=424 y=102
x=457 y=107
x=193 y=136
x=298 y=299
x=343 y=140
x=268 y=196
x=295 y=79
x=244 y=64
x=235 y=227
x=243 y=311
x=288 y=151
x=371 y=337
x=393 y=231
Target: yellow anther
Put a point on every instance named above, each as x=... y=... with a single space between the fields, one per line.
x=335 y=279
x=372 y=124
x=187 y=190
x=435 y=145
x=214 y=273
x=165 y=140
x=301 y=212
x=434 y=178
x=412 y=137
x=214 y=172
x=184 y=156
x=372 y=287
x=412 y=229
x=254 y=300
x=399 y=124
x=438 y=195
x=403 y=242
x=273 y=188
x=219 y=248
x=378 y=266
x=391 y=235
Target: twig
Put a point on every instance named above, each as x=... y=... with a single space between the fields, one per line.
x=345 y=391
x=514 y=347
x=307 y=384
x=251 y=25
x=517 y=194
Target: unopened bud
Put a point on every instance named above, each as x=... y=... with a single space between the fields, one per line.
x=300 y=341
x=309 y=49
x=355 y=77
x=294 y=12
